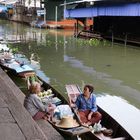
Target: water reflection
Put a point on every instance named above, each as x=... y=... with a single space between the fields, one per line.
x=35 y=61
x=126 y=114
x=60 y=59
x=105 y=78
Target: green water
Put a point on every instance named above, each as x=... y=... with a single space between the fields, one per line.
x=62 y=59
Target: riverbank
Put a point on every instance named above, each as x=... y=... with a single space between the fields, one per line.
x=15 y=122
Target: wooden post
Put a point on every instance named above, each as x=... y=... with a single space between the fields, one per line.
x=112 y=38
x=64 y=7
x=44 y=14
x=125 y=41
x=35 y=4
x=76 y=27
x=56 y=15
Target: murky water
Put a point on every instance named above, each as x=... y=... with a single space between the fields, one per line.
x=61 y=59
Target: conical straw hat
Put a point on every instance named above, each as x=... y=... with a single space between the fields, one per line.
x=67 y=122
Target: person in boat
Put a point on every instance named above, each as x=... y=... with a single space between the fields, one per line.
x=87 y=107
x=34 y=105
x=31 y=79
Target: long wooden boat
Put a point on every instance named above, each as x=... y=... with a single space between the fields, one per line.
x=119 y=133
x=58 y=99
x=9 y=63
x=87 y=34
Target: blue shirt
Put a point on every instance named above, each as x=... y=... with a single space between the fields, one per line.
x=86 y=104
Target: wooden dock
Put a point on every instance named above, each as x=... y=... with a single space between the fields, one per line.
x=15 y=122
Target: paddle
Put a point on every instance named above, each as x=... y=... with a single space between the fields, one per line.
x=76 y=114
x=73 y=92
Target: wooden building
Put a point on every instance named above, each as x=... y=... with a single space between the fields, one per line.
x=118 y=18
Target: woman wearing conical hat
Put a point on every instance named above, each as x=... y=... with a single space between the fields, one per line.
x=87 y=107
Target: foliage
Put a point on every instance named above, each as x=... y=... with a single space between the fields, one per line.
x=85 y=42
x=14 y=49
x=91 y=42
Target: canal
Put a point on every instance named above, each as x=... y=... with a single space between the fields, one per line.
x=61 y=59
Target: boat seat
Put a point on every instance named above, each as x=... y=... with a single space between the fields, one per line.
x=76 y=131
x=101 y=136
x=73 y=91
x=120 y=138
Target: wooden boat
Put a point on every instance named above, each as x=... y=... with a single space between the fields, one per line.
x=87 y=34
x=56 y=98
x=119 y=133
x=9 y=63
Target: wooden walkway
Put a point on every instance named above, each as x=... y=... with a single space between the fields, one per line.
x=15 y=122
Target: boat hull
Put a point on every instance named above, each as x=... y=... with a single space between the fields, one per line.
x=17 y=69
x=72 y=132
x=117 y=132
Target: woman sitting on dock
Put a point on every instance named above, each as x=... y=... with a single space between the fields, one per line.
x=87 y=108
x=34 y=104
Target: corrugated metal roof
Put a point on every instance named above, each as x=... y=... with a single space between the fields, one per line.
x=128 y=9
x=84 y=1
x=79 y=1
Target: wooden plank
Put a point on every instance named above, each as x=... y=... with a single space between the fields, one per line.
x=9 y=83
x=2 y=103
x=73 y=91
x=5 y=116
x=26 y=120
x=76 y=131
x=101 y=136
x=10 y=131
x=29 y=128
x=49 y=130
x=121 y=138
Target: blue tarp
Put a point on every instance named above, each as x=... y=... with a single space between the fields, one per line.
x=3 y=9
x=129 y=9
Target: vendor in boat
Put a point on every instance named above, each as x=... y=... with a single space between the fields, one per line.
x=34 y=104
x=31 y=79
x=87 y=108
